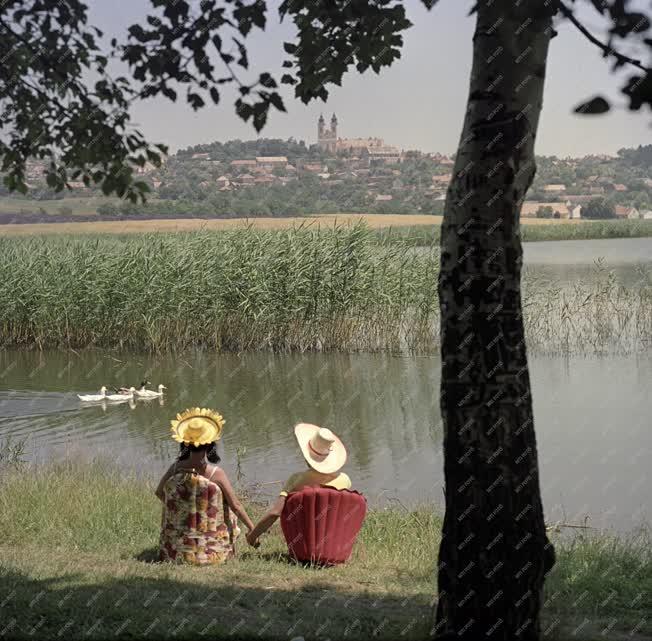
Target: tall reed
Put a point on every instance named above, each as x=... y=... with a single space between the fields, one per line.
x=297 y=289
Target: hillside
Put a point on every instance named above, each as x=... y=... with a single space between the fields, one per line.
x=278 y=178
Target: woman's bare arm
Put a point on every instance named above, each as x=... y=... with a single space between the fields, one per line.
x=266 y=521
x=159 y=490
x=222 y=480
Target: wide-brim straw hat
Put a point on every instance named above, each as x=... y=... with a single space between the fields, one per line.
x=322 y=449
x=197 y=426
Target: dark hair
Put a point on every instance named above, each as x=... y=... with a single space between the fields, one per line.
x=209 y=448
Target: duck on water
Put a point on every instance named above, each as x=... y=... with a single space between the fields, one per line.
x=127 y=390
x=124 y=393
x=93 y=397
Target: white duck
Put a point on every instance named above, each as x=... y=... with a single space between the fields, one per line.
x=127 y=390
x=122 y=397
x=93 y=397
x=148 y=393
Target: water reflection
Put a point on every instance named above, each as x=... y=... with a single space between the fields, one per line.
x=592 y=418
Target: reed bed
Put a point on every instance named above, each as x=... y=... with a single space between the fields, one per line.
x=293 y=290
x=428 y=235
x=599 y=317
x=297 y=289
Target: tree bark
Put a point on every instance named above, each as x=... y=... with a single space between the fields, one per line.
x=494 y=552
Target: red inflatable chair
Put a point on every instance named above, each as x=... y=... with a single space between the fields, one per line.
x=321 y=524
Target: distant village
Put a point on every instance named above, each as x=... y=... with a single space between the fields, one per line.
x=275 y=177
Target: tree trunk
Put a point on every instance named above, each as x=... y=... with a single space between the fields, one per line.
x=494 y=552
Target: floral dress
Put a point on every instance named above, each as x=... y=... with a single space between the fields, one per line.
x=197 y=526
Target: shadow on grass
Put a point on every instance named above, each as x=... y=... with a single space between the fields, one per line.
x=150 y=555
x=70 y=607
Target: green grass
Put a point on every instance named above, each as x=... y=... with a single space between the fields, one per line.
x=70 y=532
x=291 y=290
x=424 y=236
x=76 y=543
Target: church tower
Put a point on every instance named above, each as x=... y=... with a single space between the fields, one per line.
x=327 y=138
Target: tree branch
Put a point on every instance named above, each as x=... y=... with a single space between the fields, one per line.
x=622 y=59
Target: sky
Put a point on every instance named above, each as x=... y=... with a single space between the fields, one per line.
x=418 y=102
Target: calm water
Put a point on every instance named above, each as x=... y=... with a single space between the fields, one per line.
x=573 y=252
x=572 y=261
x=592 y=420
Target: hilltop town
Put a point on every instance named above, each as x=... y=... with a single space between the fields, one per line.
x=273 y=177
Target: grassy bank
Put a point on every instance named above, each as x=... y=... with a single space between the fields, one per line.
x=422 y=236
x=76 y=544
x=298 y=289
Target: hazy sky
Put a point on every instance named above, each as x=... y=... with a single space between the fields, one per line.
x=419 y=102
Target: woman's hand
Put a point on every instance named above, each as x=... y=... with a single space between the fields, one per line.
x=255 y=543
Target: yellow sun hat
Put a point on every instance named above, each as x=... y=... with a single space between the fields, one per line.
x=197 y=426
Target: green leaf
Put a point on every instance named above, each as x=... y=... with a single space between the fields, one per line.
x=170 y=93
x=267 y=81
x=597 y=105
x=195 y=100
x=260 y=119
x=243 y=60
x=276 y=100
x=243 y=110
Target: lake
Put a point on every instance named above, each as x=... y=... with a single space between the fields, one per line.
x=572 y=261
x=591 y=416
x=569 y=261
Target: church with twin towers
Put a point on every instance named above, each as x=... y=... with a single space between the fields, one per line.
x=328 y=140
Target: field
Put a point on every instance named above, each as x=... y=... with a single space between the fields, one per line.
x=411 y=229
x=87 y=568
x=375 y=221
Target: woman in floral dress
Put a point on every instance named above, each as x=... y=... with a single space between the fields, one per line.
x=200 y=509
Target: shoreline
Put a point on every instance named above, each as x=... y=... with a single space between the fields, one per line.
x=93 y=535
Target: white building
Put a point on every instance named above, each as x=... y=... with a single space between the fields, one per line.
x=271 y=162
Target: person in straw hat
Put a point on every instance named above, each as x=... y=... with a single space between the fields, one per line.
x=325 y=455
x=200 y=508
